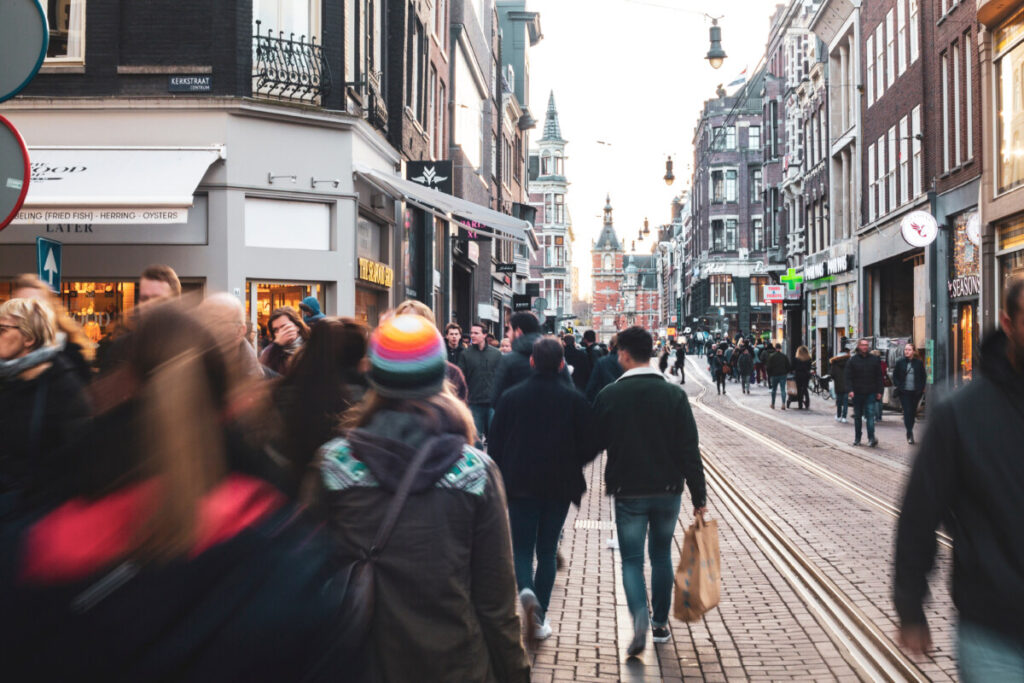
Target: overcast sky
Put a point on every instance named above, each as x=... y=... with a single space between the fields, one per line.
x=632 y=73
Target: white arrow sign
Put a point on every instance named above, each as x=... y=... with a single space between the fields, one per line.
x=50 y=267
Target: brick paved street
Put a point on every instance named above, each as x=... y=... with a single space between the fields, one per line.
x=762 y=630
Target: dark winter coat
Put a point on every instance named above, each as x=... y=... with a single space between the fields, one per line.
x=515 y=367
x=717 y=365
x=541 y=436
x=445 y=587
x=745 y=363
x=581 y=366
x=899 y=373
x=969 y=476
x=606 y=371
x=837 y=370
x=454 y=354
x=680 y=357
x=253 y=603
x=801 y=370
x=777 y=364
x=479 y=367
x=864 y=374
x=277 y=358
x=647 y=426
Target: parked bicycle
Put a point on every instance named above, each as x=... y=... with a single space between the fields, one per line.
x=819 y=385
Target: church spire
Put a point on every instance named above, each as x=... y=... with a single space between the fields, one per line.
x=608 y=238
x=552 y=131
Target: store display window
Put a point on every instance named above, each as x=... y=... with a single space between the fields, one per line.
x=273 y=295
x=99 y=307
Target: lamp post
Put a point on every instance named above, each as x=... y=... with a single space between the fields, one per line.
x=716 y=55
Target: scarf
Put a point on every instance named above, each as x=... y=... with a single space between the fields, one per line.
x=10 y=369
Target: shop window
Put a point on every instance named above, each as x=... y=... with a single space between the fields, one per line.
x=370 y=240
x=66 y=20
x=99 y=307
x=273 y=295
x=722 y=291
x=1009 y=46
x=757 y=285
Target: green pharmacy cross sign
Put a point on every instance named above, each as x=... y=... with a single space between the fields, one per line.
x=792 y=279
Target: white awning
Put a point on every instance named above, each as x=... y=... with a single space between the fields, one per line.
x=114 y=185
x=483 y=220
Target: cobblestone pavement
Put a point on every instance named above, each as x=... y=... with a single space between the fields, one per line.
x=761 y=630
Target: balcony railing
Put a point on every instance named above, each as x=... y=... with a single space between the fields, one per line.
x=289 y=68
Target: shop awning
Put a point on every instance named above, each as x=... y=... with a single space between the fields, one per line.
x=475 y=217
x=114 y=185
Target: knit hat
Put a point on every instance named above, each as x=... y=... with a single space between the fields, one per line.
x=407 y=358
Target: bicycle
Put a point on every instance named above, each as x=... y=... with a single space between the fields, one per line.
x=819 y=386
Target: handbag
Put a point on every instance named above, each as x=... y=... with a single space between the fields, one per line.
x=698 y=582
x=357 y=578
x=726 y=369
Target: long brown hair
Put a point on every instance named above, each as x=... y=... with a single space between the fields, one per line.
x=803 y=354
x=291 y=314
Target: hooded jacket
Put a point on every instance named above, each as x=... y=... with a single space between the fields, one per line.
x=969 y=476
x=515 y=367
x=445 y=589
x=312 y=304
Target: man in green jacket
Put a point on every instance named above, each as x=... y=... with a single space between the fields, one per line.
x=479 y=363
x=647 y=426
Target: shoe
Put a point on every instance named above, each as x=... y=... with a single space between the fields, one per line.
x=639 y=637
x=661 y=634
x=783 y=407
x=837 y=418
x=773 y=406
x=543 y=630
x=910 y=440
x=559 y=561
x=873 y=442
x=531 y=611
x=856 y=443
x=845 y=420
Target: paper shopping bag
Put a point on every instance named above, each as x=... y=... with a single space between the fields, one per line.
x=698 y=576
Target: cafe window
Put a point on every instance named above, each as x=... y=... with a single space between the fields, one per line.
x=1009 y=49
x=66 y=21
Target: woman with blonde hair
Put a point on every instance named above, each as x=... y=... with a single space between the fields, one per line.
x=447 y=560
x=79 y=350
x=802 y=375
x=42 y=407
x=453 y=374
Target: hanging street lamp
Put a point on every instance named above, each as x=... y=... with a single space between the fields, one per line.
x=669 y=176
x=716 y=55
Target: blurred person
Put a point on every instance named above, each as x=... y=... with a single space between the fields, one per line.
x=506 y=345
x=43 y=410
x=717 y=366
x=909 y=379
x=802 y=374
x=168 y=565
x=967 y=476
x=479 y=364
x=491 y=341
x=745 y=367
x=515 y=367
x=79 y=350
x=579 y=360
x=445 y=585
x=158 y=283
x=224 y=317
x=325 y=380
x=453 y=373
x=879 y=404
x=453 y=339
x=864 y=387
x=541 y=437
x=776 y=364
x=837 y=370
x=310 y=309
x=646 y=424
x=606 y=371
x=680 y=363
x=592 y=349
x=663 y=359
x=288 y=333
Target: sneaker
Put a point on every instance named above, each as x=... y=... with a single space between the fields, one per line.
x=837 y=418
x=856 y=443
x=531 y=612
x=910 y=440
x=639 y=637
x=661 y=634
x=543 y=630
x=845 y=420
x=873 y=443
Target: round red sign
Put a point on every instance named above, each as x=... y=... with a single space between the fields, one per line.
x=15 y=172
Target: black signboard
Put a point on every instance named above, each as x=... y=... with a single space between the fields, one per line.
x=194 y=83
x=532 y=289
x=793 y=305
x=437 y=175
x=521 y=302
x=505 y=268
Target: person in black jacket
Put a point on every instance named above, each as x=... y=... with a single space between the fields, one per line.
x=515 y=367
x=580 y=362
x=802 y=375
x=909 y=381
x=606 y=371
x=864 y=387
x=968 y=477
x=716 y=365
x=777 y=366
x=541 y=437
x=745 y=367
x=680 y=363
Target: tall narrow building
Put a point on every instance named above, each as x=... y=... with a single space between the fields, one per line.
x=606 y=269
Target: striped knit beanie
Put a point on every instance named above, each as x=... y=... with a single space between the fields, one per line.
x=407 y=358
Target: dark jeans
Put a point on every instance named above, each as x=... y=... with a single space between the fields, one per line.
x=720 y=380
x=778 y=382
x=481 y=418
x=909 y=400
x=842 y=403
x=864 y=407
x=745 y=383
x=633 y=517
x=803 y=398
x=536 y=526
x=759 y=373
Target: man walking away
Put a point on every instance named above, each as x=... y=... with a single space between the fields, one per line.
x=592 y=349
x=541 y=437
x=777 y=366
x=745 y=366
x=479 y=363
x=580 y=362
x=647 y=426
x=837 y=370
x=717 y=368
x=864 y=384
x=681 y=363
x=909 y=379
x=606 y=371
x=515 y=367
x=968 y=476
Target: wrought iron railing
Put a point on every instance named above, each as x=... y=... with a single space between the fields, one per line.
x=289 y=68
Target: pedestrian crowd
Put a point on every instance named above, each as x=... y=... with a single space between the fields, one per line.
x=199 y=499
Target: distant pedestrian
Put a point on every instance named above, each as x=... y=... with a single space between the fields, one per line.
x=680 y=363
x=444 y=603
x=506 y=346
x=647 y=426
x=886 y=382
x=310 y=309
x=776 y=364
x=479 y=364
x=289 y=333
x=802 y=375
x=909 y=381
x=453 y=373
x=864 y=386
x=606 y=370
x=968 y=478
x=515 y=367
x=541 y=437
x=719 y=369
x=745 y=367
x=453 y=339
x=663 y=359
x=579 y=359
x=158 y=283
x=837 y=370
x=593 y=349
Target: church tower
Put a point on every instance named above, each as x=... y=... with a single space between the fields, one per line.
x=606 y=256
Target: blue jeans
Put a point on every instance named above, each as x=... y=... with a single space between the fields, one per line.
x=864 y=407
x=842 y=403
x=986 y=655
x=481 y=418
x=536 y=527
x=633 y=517
x=778 y=382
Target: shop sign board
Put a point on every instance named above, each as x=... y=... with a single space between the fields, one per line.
x=48 y=262
x=520 y=302
x=532 y=289
x=24 y=37
x=832 y=266
x=505 y=268
x=437 y=175
x=919 y=228
x=968 y=285
x=774 y=293
x=671 y=331
x=793 y=305
x=15 y=171
x=376 y=273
